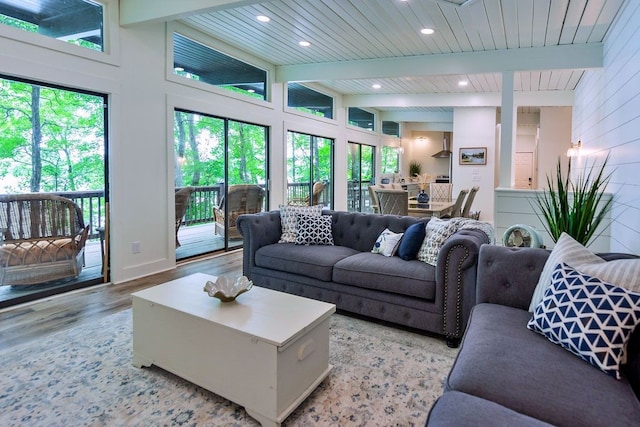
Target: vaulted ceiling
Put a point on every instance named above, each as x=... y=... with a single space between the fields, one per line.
x=356 y=44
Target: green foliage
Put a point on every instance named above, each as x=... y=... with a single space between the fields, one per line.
x=390 y=160
x=415 y=168
x=574 y=207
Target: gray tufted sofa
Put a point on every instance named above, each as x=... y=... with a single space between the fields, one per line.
x=410 y=293
x=507 y=375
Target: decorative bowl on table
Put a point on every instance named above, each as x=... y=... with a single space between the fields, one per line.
x=227 y=289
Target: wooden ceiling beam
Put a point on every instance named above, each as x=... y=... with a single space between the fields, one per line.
x=139 y=11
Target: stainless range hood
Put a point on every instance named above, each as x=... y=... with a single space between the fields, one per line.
x=446 y=151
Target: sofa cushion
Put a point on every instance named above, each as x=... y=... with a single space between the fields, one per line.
x=387 y=243
x=289 y=221
x=37 y=252
x=411 y=241
x=313 y=230
x=312 y=261
x=457 y=409
x=590 y=318
x=437 y=232
x=543 y=380
x=392 y=274
x=567 y=250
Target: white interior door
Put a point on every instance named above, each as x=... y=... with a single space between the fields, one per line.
x=524 y=170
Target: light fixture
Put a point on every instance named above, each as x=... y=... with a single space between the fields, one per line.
x=463 y=83
x=304 y=43
x=400 y=150
x=575 y=149
x=263 y=18
x=376 y=85
x=178 y=69
x=427 y=31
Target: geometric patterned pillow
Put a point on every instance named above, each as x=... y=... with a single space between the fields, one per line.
x=289 y=222
x=587 y=316
x=387 y=243
x=314 y=230
x=438 y=231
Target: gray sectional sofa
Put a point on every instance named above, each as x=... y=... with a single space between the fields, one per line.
x=410 y=293
x=508 y=375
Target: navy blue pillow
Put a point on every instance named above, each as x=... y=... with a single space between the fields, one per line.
x=411 y=241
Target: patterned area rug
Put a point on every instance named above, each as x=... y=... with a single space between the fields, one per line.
x=382 y=376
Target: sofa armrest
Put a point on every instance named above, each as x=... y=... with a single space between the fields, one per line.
x=508 y=276
x=456 y=280
x=257 y=230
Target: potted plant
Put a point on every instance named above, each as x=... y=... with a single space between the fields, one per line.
x=415 y=169
x=575 y=207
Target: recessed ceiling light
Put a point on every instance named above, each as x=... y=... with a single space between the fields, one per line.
x=178 y=69
x=263 y=18
x=427 y=31
x=304 y=43
x=463 y=83
x=251 y=90
x=376 y=85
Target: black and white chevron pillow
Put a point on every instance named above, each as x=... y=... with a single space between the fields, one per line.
x=587 y=316
x=314 y=230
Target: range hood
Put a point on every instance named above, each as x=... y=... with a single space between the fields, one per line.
x=446 y=151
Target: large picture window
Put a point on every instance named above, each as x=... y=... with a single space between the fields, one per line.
x=76 y=21
x=361 y=118
x=196 y=61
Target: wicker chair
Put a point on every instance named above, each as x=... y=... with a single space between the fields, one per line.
x=42 y=238
x=393 y=202
x=241 y=199
x=183 y=196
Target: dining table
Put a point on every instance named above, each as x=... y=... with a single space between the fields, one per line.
x=430 y=208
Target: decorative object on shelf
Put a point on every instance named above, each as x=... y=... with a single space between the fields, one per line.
x=422 y=197
x=575 y=206
x=227 y=289
x=522 y=236
x=473 y=156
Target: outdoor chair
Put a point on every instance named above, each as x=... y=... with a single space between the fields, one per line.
x=240 y=199
x=183 y=196
x=467 y=205
x=440 y=192
x=393 y=202
x=42 y=238
x=316 y=192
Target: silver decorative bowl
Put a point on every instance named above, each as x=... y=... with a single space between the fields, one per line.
x=227 y=289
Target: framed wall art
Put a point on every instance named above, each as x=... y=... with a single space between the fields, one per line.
x=473 y=156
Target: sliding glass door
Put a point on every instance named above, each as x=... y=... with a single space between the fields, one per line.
x=220 y=173
x=309 y=170
x=360 y=174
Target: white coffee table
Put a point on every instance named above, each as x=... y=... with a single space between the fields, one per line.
x=266 y=351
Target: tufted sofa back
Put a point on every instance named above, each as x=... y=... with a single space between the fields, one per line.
x=359 y=231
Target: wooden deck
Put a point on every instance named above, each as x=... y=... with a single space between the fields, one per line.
x=196 y=241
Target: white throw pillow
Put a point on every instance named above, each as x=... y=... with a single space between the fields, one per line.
x=621 y=272
x=289 y=222
x=566 y=250
x=387 y=243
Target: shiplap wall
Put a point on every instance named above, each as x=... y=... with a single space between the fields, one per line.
x=606 y=117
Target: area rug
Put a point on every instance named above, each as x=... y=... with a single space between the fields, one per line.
x=382 y=376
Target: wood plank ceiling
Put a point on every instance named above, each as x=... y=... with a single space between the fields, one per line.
x=363 y=31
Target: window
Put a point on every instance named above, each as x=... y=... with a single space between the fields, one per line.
x=309 y=101
x=391 y=128
x=390 y=160
x=360 y=175
x=196 y=61
x=361 y=118
x=76 y=21
x=309 y=169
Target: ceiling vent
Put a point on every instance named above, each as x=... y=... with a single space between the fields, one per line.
x=446 y=150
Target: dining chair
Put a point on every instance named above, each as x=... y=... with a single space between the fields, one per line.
x=393 y=202
x=456 y=210
x=467 y=205
x=440 y=191
x=374 y=198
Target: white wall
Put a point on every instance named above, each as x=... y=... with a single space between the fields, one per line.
x=555 y=140
x=475 y=127
x=606 y=117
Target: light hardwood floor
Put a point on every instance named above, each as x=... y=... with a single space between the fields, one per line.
x=23 y=324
